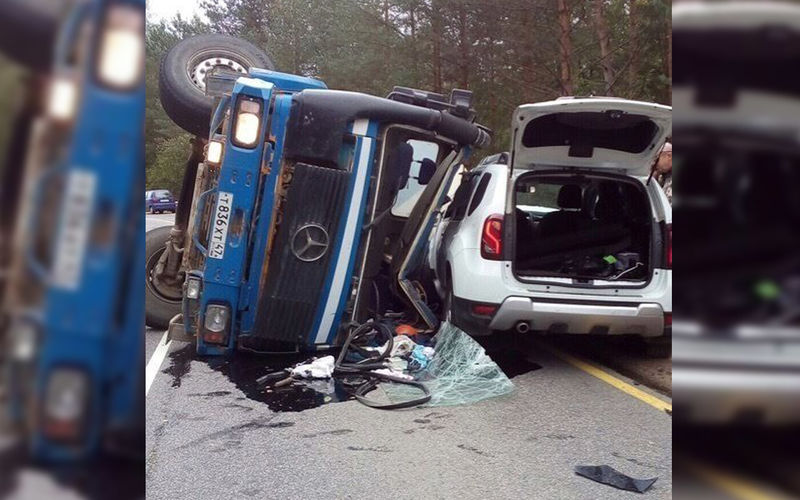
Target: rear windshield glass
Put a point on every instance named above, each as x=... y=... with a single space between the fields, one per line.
x=162 y=193
x=584 y=131
x=721 y=62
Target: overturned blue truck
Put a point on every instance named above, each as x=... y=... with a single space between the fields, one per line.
x=304 y=211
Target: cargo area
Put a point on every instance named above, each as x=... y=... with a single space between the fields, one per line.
x=583 y=227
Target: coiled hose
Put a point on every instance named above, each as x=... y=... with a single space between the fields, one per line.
x=371 y=362
x=363 y=369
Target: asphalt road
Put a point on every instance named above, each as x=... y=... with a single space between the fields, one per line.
x=210 y=435
x=153 y=221
x=206 y=438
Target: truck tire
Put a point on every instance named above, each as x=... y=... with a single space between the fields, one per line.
x=161 y=303
x=183 y=70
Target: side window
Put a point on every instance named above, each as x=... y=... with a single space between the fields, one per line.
x=458 y=208
x=480 y=191
x=407 y=196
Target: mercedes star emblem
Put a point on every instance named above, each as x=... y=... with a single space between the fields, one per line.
x=310 y=242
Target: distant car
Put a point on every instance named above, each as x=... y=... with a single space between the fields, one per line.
x=159 y=200
x=571 y=237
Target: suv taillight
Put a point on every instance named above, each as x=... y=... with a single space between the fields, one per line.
x=492 y=238
x=669 y=245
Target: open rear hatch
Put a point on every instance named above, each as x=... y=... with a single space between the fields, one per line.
x=580 y=215
x=604 y=134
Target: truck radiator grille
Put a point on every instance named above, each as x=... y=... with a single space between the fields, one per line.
x=300 y=260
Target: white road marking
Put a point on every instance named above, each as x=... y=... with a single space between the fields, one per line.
x=155 y=362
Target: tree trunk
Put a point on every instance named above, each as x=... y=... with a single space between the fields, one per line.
x=463 y=48
x=601 y=27
x=436 y=35
x=565 y=47
x=634 y=67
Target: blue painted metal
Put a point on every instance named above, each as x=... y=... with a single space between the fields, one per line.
x=334 y=295
x=272 y=159
x=95 y=324
x=239 y=178
x=251 y=176
x=286 y=82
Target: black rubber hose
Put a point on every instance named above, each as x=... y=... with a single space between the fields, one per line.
x=373 y=383
x=364 y=369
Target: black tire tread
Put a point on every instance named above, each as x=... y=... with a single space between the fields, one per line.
x=157 y=310
x=189 y=108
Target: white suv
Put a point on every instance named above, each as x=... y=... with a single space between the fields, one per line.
x=566 y=233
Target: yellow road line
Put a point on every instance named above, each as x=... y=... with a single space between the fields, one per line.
x=606 y=377
x=738 y=487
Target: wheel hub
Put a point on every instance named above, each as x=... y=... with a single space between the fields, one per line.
x=199 y=71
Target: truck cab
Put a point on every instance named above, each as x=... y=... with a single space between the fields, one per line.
x=312 y=208
x=72 y=301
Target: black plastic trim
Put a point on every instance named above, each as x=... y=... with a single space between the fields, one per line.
x=319 y=118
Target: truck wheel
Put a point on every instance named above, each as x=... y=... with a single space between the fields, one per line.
x=182 y=78
x=161 y=301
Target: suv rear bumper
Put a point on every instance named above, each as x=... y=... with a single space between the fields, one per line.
x=645 y=319
x=724 y=379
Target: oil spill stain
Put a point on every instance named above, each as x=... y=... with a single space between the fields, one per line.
x=234 y=435
x=337 y=432
x=180 y=363
x=244 y=369
x=513 y=363
x=560 y=437
x=474 y=450
x=213 y=394
x=380 y=449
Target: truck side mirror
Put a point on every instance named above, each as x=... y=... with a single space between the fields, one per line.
x=400 y=164
x=427 y=168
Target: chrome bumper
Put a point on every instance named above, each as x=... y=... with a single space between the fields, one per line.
x=560 y=317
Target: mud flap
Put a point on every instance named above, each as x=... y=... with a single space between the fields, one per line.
x=177 y=330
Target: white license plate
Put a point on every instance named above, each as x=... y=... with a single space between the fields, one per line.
x=73 y=236
x=219 y=229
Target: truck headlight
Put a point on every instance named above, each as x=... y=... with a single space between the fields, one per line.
x=121 y=57
x=214 y=152
x=66 y=400
x=62 y=99
x=217 y=318
x=248 y=122
x=193 y=288
x=216 y=323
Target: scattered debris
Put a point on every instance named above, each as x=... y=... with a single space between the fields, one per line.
x=456 y=371
x=608 y=475
x=317 y=368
